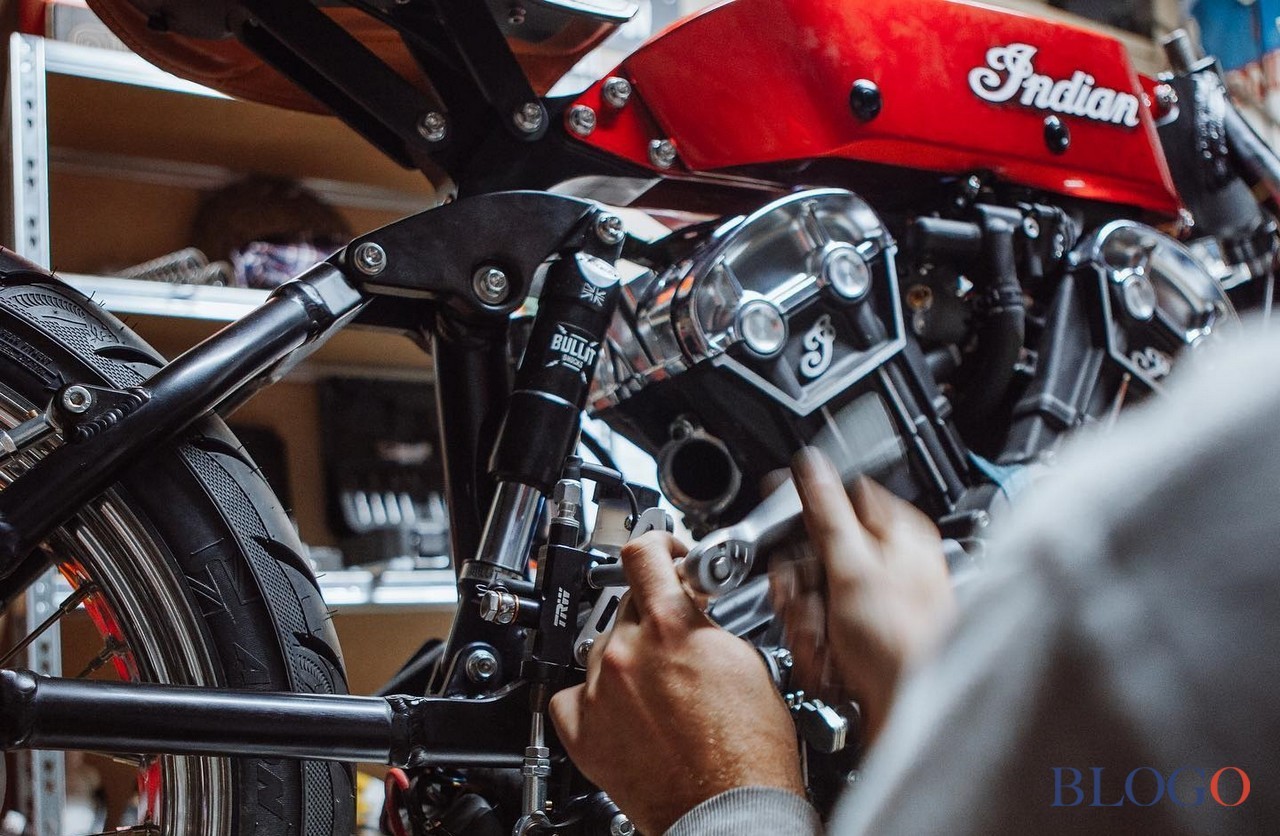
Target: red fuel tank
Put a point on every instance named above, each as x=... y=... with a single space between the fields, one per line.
x=957 y=87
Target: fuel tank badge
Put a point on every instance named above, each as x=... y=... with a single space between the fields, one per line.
x=1010 y=75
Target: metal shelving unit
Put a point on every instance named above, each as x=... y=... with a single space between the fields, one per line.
x=31 y=60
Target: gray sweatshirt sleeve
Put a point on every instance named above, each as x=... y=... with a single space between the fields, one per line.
x=747 y=811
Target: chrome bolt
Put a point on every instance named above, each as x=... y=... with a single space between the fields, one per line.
x=621 y=826
x=662 y=153
x=499 y=606
x=582 y=120
x=77 y=400
x=1031 y=227
x=616 y=91
x=433 y=126
x=973 y=185
x=583 y=651
x=721 y=568
x=783 y=658
x=1059 y=245
x=529 y=117
x=490 y=285
x=370 y=259
x=610 y=229
x=481 y=666
x=1166 y=97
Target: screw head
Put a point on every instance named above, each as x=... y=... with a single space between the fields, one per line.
x=491 y=285
x=499 y=606
x=1031 y=227
x=77 y=400
x=433 y=126
x=610 y=229
x=529 y=118
x=662 y=153
x=481 y=666
x=721 y=568
x=621 y=826
x=865 y=100
x=616 y=91
x=1057 y=136
x=1139 y=296
x=583 y=651
x=370 y=259
x=516 y=15
x=973 y=185
x=581 y=120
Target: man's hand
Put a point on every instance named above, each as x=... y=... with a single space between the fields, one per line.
x=886 y=597
x=674 y=709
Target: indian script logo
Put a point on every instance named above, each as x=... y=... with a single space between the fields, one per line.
x=1010 y=74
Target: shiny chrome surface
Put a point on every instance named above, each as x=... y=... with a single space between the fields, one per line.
x=1158 y=295
x=508 y=533
x=818 y=247
x=162 y=633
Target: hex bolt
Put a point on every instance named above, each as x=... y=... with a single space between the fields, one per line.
x=499 y=606
x=616 y=91
x=529 y=118
x=433 y=126
x=1031 y=227
x=581 y=119
x=481 y=666
x=610 y=229
x=662 y=153
x=721 y=569
x=621 y=826
x=77 y=400
x=973 y=185
x=370 y=259
x=583 y=651
x=491 y=285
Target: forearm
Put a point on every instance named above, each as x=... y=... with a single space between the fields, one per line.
x=748 y=811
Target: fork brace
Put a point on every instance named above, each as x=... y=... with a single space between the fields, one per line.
x=40 y=712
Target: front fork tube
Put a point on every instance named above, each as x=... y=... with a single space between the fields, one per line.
x=538 y=432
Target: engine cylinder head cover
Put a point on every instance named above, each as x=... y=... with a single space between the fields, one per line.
x=1161 y=296
x=769 y=297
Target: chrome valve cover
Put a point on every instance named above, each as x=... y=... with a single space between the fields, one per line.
x=1158 y=298
x=799 y=299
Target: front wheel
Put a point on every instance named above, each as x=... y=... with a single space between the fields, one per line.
x=189 y=569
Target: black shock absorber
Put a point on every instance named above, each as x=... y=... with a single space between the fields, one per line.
x=574 y=311
x=538 y=433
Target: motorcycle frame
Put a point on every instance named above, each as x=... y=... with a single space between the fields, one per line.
x=424 y=287
x=415 y=275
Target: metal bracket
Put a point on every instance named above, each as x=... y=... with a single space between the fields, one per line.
x=446 y=254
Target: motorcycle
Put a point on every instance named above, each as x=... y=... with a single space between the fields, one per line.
x=934 y=239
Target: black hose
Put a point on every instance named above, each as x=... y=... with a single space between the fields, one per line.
x=1002 y=330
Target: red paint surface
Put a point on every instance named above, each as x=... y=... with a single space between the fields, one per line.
x=752 y=82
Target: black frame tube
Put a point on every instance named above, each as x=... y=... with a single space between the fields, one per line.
x=178 y=395
x=46 y=713
x=40 y=712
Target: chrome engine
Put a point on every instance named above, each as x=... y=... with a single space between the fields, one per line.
x=776 y=327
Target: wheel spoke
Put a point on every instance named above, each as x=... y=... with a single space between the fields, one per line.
x=109 y=651
x=139 y=829
x=67 y=606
